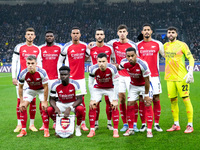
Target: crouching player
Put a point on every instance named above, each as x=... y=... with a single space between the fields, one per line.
x=104 y=74
x=37 y=81
x=139 y=88
x=65 y=96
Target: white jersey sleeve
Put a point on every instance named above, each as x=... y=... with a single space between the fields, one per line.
x=61 y=58
x=161 y=49
x=77 y=87
x=15 y=59
x=53 y=88
x=144 y=68
x=43 y=75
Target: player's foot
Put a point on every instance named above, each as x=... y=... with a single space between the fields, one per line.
x=149 y=134
x=115 y=134
x=110 y=127
x=174 y=128
x=33 y=128
x=125 y=127
x=96 y=126
x=78 y=131
x=22 y=133
x=42 y=128
x=18 y=128
x=189 y=129
x=158 y=128
x=54 y=125
x=135 y=128
x=129 y=132
x=46 y=133
x=143 y=128
x=91 y=134
x=84 y=128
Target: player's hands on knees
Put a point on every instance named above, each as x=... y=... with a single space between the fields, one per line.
x=44 y=105
x=147 y=101
x=15 y=81
x=22 y=106
x=93 y=104
x=57 y=111
x=67 y=112
x=114 y=104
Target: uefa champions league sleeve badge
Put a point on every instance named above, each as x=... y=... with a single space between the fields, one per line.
x=65 y=126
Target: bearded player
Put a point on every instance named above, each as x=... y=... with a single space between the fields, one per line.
x=50 y=52
x=100 y=47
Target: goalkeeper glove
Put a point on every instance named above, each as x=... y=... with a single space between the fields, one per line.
x=189 y=76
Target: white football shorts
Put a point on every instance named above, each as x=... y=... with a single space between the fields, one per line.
x=157 y=89
x=29 y=94
x=135 y=91
x=98 y=93
x=124 y=83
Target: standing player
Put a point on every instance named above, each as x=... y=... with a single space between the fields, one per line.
x=120 y=45
x=104 y=74
x=178 y=78
x=50 y=52
x=101 y=47
x=37 y=81
x=140 y=86
x=149 y=50
x=74 y=53
x=21 y=52
x=65 y=96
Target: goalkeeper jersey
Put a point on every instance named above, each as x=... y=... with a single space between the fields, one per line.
x=175 y=53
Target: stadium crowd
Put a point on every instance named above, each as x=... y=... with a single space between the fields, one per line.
x=61 y=17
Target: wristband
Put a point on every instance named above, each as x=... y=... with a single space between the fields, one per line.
x=146 y=95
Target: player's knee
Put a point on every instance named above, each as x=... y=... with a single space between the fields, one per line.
x=173 y=99
x=50 y=110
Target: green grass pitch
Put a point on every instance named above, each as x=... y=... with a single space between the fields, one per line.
x=103 y=139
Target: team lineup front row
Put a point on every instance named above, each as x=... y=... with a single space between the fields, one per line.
x=35 y=71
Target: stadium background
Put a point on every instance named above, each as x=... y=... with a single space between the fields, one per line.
x=61 y=16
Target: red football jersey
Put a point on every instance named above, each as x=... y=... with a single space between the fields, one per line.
x=120 y=52
x=36 y=80
x=75 y=59
x=136 y=72
x=94 y=51
x=21 y=52
x=149 y=51
x=105 y=78
x=50 y=55
x=65 y=94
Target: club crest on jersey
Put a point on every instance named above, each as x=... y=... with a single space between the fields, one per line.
x=65 y=122
x=106 y=51
x=55 y=51
x=82 y=49
x=37 y=79
x=34 y=51
x=153 y=46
